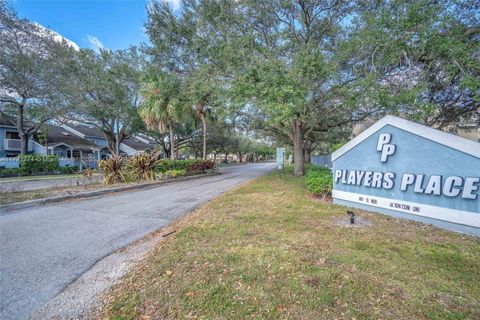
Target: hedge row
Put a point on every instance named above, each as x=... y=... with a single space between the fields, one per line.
x=34 y=164
x=146 y=166
x=191 y=166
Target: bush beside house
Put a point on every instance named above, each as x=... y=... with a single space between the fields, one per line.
x=34 y=164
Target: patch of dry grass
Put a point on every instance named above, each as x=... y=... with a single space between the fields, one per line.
x=267 y=250
x=20 y=196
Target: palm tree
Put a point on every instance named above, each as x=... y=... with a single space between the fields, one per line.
x=158 y=108
x=200 y=108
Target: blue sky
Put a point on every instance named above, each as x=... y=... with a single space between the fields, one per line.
x=90 y=24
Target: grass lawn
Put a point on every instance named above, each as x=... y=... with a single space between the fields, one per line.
x=267 y=250
x=44 y=177
x=20 y=196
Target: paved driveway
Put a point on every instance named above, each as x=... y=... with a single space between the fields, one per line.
x=43 y=249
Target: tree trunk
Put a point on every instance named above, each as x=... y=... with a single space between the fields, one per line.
x=298 y=165
x=165 y=147
x=172 y=140
x=23 y=143
x=306 y=155
x=204 y=124
x=215 y=157
x=20 y=129
x=112 y=143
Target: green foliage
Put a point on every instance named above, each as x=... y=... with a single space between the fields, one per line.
x=37 y=166
x=112 y=169
x=106 y=91
x=142 y=166
x=68 y=169
x=9 y=172
x=428 y=51
x=175 y=173
x=336 y=146
x=32 y=71
x=319 y=181
x=168 y=164
x=42 y=136
x=190 y=166
x=31 y=164
x=147 y=167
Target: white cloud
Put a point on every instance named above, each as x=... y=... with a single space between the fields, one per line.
x=175 y=4
x=95 y=44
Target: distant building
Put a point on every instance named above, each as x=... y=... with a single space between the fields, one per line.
x=73 y=141
x=129 y=145
x=467 y=128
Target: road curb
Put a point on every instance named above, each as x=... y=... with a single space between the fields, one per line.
x=8 y=208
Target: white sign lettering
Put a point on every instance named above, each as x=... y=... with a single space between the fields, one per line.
x=383 y=146
x=451 y=186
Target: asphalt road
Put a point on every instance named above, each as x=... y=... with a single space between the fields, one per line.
x=43 y=249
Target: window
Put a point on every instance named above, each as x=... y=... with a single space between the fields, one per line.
x=69 y=153
x=12 y=135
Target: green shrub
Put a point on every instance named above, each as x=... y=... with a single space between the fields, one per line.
x=336 y=146
x=112 y=169
x=191 y=166
x=168 y=164
x=68 y=170
x=175 y=173
x=34 y=164
x=9 y=172
x=319 y=181
x=141 y=166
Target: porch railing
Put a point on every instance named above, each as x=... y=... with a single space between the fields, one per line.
x=15 y=145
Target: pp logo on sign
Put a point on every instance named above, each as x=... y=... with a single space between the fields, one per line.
x=385 y=147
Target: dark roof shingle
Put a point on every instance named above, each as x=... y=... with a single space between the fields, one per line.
x=136 y=144
x=58 y=135
x=87 y=130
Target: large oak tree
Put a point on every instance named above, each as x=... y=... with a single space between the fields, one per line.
x=33 y=65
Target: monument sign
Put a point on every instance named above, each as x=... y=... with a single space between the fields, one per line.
x=408 y=170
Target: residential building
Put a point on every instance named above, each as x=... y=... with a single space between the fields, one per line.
x=469 y=131
x=73 y=141
x=65 y=144
x=10 y=145
x=129 y=145
x=468 y=128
